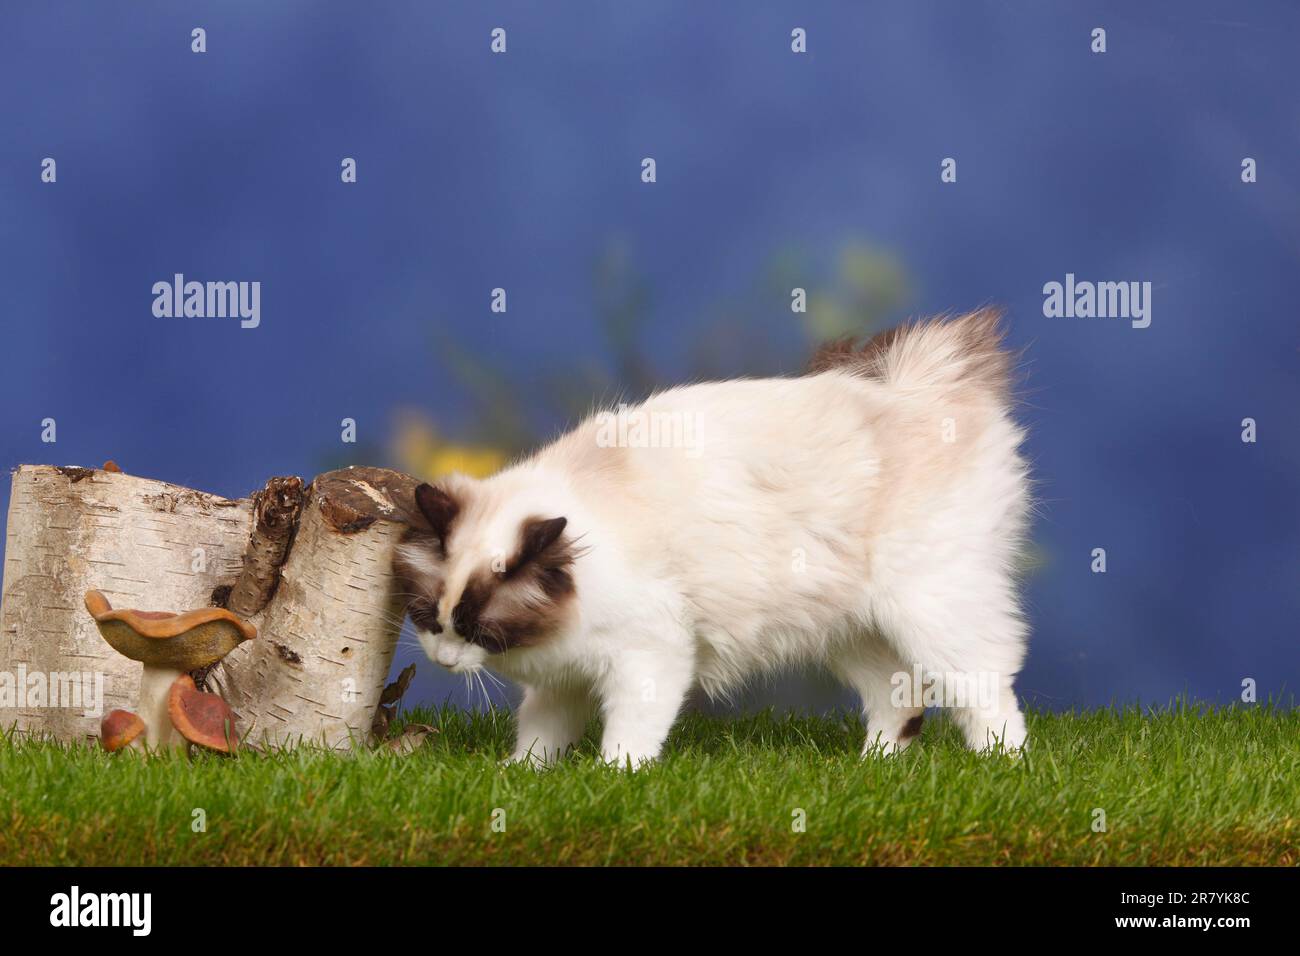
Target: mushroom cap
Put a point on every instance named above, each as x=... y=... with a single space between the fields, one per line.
x=202 y=718
x=118 y=729
x=184 y=642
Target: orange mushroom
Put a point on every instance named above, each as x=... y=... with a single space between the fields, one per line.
x=202 y=718
x=121 y=729
x=169 y=645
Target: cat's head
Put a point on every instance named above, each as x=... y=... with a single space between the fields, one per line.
x=493 y=574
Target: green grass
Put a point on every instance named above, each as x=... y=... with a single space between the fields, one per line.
x=1184 y=785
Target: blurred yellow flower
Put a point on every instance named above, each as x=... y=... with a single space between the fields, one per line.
x=422 y=453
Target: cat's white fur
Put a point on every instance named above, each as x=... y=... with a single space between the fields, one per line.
x=866 y=518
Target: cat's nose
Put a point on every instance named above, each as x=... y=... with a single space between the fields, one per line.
x=448 y=654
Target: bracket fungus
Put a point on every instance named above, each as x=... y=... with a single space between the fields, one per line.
x=170 y=646
x=121 y=729
x=201 y=718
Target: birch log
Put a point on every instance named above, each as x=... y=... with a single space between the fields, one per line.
x=309 y=567
x=326 y=639
x=145 y=544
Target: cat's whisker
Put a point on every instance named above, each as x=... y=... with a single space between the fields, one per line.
x=497 y=681
x=487 y=696
x=478 y=681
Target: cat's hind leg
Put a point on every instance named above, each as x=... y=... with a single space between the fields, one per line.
x=971 y=645
x=892 y=715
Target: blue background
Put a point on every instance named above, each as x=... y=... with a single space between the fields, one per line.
x=478 y=171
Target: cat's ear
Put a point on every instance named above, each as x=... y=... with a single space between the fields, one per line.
x=539 y=534
x=438 y=507
x=538 y=538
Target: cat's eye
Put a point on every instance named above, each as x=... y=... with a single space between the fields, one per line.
x=424 y=616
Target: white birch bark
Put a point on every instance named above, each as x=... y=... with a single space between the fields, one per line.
x=325 y=640
x=325 y=643
x=145 y=544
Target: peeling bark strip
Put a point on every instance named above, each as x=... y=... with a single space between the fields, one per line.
x=275 y=518
x=317 y=559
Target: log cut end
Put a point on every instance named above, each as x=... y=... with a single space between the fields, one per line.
x=352 y=499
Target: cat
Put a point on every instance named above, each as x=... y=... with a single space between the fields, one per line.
x=867 y=516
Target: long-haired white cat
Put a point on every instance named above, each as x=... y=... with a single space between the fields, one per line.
x=866 y=517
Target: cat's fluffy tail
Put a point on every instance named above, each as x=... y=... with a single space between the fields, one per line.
x=947 y=355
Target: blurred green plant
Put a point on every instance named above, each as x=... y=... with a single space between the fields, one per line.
x=854 y=290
